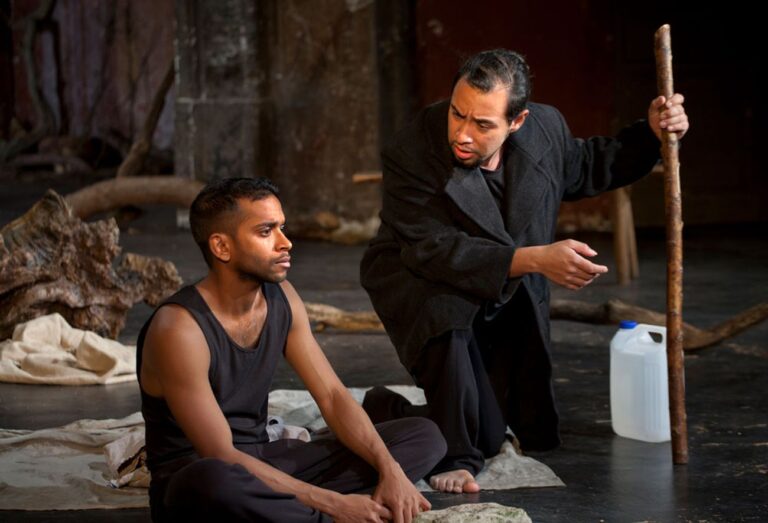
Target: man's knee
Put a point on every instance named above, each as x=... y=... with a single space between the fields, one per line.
x=212 y=490
x=418 y=445
x=444 y=361
x=428 y=434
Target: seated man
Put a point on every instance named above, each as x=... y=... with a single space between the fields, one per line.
x=206 y=359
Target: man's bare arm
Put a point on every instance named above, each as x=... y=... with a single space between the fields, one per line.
x=562 y=262
x=175 y=367
x=346 y=418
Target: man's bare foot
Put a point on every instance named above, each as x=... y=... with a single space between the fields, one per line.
x=457 y=481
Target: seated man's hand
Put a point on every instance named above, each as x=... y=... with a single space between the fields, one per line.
x=354 y=508
x=564 y=263
x=396 y=492
x=668 y=115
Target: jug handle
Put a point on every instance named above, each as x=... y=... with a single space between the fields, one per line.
x=655 y=329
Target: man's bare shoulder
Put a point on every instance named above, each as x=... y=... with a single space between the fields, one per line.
x=175 y=350
x=290 y=292
x=173 y=323
x=298 y=309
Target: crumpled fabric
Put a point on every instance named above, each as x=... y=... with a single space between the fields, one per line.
x=47 y=350
x=78 y=466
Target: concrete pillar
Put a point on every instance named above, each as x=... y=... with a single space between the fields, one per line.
x=288 y=89
x=220 y=80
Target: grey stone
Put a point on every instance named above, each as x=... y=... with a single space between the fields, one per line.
x=475 y=512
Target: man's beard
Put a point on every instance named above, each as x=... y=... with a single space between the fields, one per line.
x=471 y=165
x=256 y=277
x=474 y=164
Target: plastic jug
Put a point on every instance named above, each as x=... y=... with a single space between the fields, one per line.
x=639 y=392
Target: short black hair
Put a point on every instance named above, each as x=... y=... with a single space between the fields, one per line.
x=487 y=70
x=218 y=198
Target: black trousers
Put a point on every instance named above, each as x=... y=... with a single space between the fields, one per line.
x=209 y=489
x=479 y=381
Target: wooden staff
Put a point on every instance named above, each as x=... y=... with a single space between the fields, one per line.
x=669 y=149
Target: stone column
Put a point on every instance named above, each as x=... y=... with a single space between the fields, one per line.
x=288 y=89
x=221 y=80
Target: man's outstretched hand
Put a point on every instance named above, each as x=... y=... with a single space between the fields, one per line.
x=396 y=492
x=668 y=115
x=562 y=262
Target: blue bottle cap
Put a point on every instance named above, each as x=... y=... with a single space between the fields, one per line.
x=627 y=324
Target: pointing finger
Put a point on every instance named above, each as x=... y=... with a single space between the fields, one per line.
x=583 y=248
x=590 y=268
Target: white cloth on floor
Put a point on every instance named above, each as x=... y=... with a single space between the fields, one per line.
x=127 y=460
x=78 y=465
x=126 y=456
x=64 y=468
x=506 y=470
x=47 y=350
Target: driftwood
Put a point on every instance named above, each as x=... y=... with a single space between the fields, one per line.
x=137 y=190
x=367 y=176
x=128 y=189
x=324 y=316
x=51 y=261
x=609 y=313
x=613 y=311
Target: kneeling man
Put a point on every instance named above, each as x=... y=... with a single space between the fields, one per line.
x=206 y=359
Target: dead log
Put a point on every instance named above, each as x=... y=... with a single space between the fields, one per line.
x=137 y=190
x=609 y=313
x=324 y=316
x=135 y=159
x=613 y=311
x=51 y=261
x=367 y=176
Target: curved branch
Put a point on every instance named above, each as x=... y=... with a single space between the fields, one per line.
x=136 y=190
x=610 y=312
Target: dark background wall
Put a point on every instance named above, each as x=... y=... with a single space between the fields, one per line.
x=6 y=73
x=593 y=59
x=306 y=91
x=98 y=65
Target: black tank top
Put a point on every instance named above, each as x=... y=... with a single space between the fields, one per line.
x=240 y=378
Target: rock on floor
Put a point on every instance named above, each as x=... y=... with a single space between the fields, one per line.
x=475 y=512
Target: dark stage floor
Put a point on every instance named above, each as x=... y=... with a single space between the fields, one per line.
x=608 y=478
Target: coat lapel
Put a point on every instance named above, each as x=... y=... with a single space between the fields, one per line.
x=466 y=187
x=469 y=191
x=524 y=187
x=525 y=182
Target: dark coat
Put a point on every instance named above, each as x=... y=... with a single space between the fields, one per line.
x=443 y=249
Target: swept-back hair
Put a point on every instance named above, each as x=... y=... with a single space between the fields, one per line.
x=487 y=70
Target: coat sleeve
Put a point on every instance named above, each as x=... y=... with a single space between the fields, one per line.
x=600 y=163
x=432 y=246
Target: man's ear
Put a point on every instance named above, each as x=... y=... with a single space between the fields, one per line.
x=518 y=122
x=219 y=244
